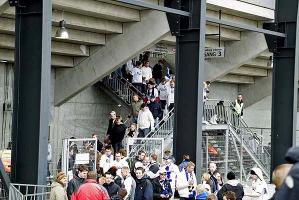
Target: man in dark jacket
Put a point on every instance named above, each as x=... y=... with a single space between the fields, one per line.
x=144 y=187
x=161 y=186
x=117 y=134
x=111 y=122
x=232 y=185
x=157 y=71
x=290 y=188
x=75 y=183
x=111 y=187
x=155 y=108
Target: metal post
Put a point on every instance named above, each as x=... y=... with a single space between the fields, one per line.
x=226 y=153
x=189 y=81
x=241 y=158
x=285 y=83
x=207 y=151
x=31 y=91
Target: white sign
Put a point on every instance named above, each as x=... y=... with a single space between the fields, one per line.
x=82 y=158
x=214 y=52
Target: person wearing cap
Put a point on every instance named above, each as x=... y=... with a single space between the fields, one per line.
x=232 y=185
x=171 y=169
x=57 y=187
x=259 y=185
x=161 y=186
x=155 y=108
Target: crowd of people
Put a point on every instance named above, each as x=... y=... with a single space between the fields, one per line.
x=145 y=178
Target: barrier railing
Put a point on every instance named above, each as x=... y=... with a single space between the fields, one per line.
x=29 y=192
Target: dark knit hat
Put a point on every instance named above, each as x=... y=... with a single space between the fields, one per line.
x=231 y=176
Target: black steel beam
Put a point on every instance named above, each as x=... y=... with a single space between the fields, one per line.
x=189 y=83
x=31 y=91
x=285 y=82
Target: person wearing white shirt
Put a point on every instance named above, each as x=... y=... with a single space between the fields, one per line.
x=129 y=183
x=163 y=89
x=145 y=121
x=172 y=171
x=186 y=182
x=259 y=186
x=106 y=159
x=170 y=96
x=146 y=72
x=119 y=163
x=137 y=77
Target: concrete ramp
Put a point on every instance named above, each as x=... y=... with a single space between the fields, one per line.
x=136 y=37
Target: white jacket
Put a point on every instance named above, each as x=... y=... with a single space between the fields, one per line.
x=106 y=162
x=183 y=183
x=145 y=119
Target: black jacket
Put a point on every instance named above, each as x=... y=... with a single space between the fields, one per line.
x=158 y=189
x=117 y=133
x=155 y=109
x=285 y=192
x=144 y=189
x=73 y=186
x=112 y=189
x=110 y=126
x=233 y=186
x=157 y=71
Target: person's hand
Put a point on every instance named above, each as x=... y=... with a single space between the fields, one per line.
x=163 y=196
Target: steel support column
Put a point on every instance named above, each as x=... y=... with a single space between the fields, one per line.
x=285 y=82
x=31 y=91
x=189 y=83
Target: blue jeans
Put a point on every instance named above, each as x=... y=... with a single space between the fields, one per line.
x=143 y=132
x=117 y=146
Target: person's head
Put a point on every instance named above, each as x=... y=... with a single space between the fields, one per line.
x=160 y=62
x=125 y=171
x=231 y=176
x=186 y=157
x=109 y=177
x=190 y=167
x=172 y=83
x=94 y=135
x=133 y=127
x=200 y=189
x=212 y=167
x=139 y=172
x=240 y=97
x=154 y=157
x=112 y=170
x=118 y=120
x=206 y=177
x=141 y=155
x=82 y=171
x=138 y=64
x=101 y=180
x=163 y=81
x=135 y=97
x=146 y=161
x=256 y=174
x=92 y=175
x=229 y=195
x=162 y=174
x=112 y=115
x=123 y=152
x=280 y=173
x=117 y=156
x=143 y=106
x=146 y=63
x=211 y=197
x=61 y=178
x=108 y=150
x=167 y=159
x=150 y=86
x=208 y=83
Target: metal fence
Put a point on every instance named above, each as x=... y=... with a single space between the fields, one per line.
x=29 y=192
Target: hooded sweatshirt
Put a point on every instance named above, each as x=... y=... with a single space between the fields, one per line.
x=290 y=188
x=57 y=192
x=233 y=186
x=260 y=185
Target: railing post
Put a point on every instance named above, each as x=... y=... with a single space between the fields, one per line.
x=226 y=153
x=241 y=159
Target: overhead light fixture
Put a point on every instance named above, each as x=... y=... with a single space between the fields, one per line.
x=3 y=61
x=62 y=32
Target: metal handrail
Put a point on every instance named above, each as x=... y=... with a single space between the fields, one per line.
x=30 y=191
x=122 y=88
x=165 y=121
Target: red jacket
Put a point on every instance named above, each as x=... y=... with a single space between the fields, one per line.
x=90 y=190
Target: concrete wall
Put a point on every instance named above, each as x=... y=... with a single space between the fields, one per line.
x=223 y=91
x=264 y=3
